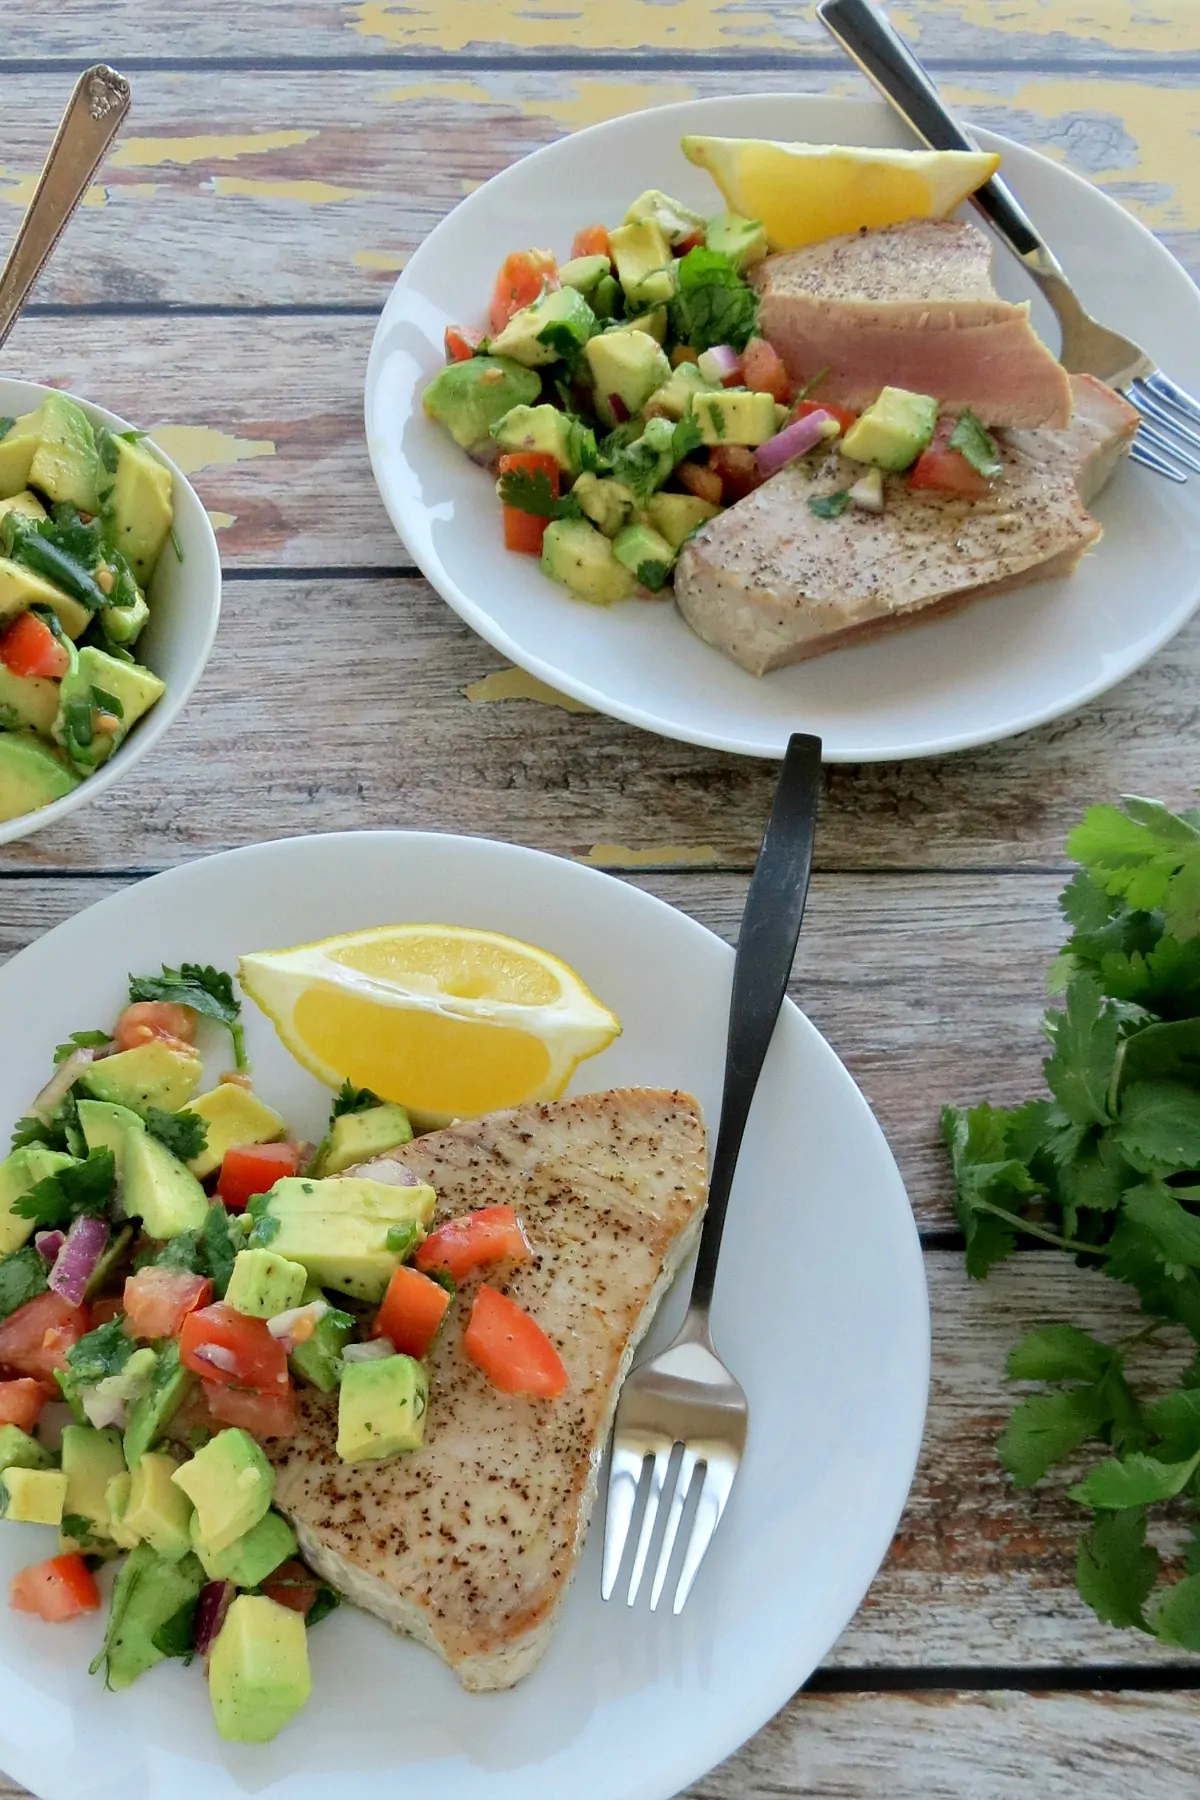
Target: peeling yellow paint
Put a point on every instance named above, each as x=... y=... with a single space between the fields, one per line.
x=221 y=521
x=619 y=856
x=469 y=187
x=312 y=193
x=583 y=102
x=471 y=92
x=17 y=188
x=1170 y=26
x=583 y=25
x=517 y=684
x=388 y=260
x=195 y=447
x=153 y=152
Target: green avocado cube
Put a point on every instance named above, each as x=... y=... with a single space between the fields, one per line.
x=338 y=1228
x=147 y=1595
x=32 y=775
x=28 y=700
x=90 y=1459
x=230 y=1483
x=607 y=503
x=319 y=1358
x=742 y=240
x=584 y=272
x=158 y=1512
x=640 y=249
x=356 y=1137
x=33 y=1496
x=581 y=557
x=150 y=1415
x=160 y=1190
x=136 y=504
x=258 y=1673
x=892 y=432
x=151 y=1074
x=735 y=416
x=645 y=553
x=676 y=516
x=65 y=466
x=20 y=1172
x=627 y=366
x=468 y=398
x=99 y=687
x=263 y=1284
x=233 y=1117
x=676 y=221
x=381 y=1408
x=556 y=325
x=116 y=1496
x=20 y=1451
x=106 y=1126
x=252 y=1557
x=17 y=446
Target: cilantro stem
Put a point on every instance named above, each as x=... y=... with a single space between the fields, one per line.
x=1039 y=1231
x=1139 y=1337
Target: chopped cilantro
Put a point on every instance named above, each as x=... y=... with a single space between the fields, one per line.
x=713 y=304
x=83 y=1187
x=184 y=1133
x=350 y=1099
x=402 y=1240
x=107 y=702
x=975 y=443
x=529 y=491
x=81 y=1040
x=22 y=1278
x=654 y=575
x=205 y=989
x=829 y=506
x=178 y=1636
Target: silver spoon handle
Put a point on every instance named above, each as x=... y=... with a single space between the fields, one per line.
x=91 y=121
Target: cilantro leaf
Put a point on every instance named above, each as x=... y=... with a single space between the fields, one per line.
x=219 y=1242
x=84 y=1187
x=1175 y=1421
x=1173 y=1231
x=829 y=506
x=81 y=1040
x=206 y=990
x=1047 y=1428
x=1115 y=1568
x=59 y=1132
x=1169 y=1051
x=1176 y=1619
x=1159 y=1125
x=1059 y=1353
x=327 y=1600
x=99 y=1354
x=991 y=1187
x=182 y=1252
x=1163 y=976
x=686 y=437
x=444 y=1279
x=1147 y=855
x=654 y=575
x=529 y=491
x=185 y=1134
x=712 y=304
x=1085 y=1039
x=977 y=445
x=1138 y=1480
x=350 y=1099
x=22 y=1278
x=178 y=1636
x=1172 y=1295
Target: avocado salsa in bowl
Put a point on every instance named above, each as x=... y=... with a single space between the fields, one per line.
x=109 y=600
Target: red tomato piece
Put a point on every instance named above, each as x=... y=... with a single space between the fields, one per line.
x=460 y=346
x=292 y=1585
x=146 y=1020
x=842 y=414
x=251 y=1169
x=227 y=1349
x=56 y=1590
x=692 y=241
x=21 y=1402
x=262 y=1415
x=948 y=472
x=29 y=647
x=413 y=1308
x=493 y=1234
x=592 y=241
x=110 y=1306
x=763 y=370
x=521 y=279
x=700 y=479
x=738 y=470
x=157 y=1301
x=511 y=1348
x=524 y=531
x=35 y=1339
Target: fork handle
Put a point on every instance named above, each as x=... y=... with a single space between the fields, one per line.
x=868 y=37
x=766 y=946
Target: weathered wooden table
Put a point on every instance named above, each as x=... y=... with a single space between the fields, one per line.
x=221 y=288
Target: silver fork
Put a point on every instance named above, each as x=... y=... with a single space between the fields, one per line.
x=1168 y=439
x=686 y=1400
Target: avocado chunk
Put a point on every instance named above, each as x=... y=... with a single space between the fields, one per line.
x=356 y=1137
x=136 y=506
x=65 y=466
x=151 y=1074
x=19 y=1172
x=381 y=1408
x=338 y=1228
x=674 y=398
x=556 y=325
x=676 y=221
x=676 y=516
x=90 y=1459
x=547 y=429
x=27 y=700
x=648 y=555
x=158 y=1512
x=17 y=446
x=627 y=365
x=116 y=1496
x=643 y=261
x=735 y=416
x=106 y=1126
x=230 y=1483
x=31 y=775
x=319 y=1359
x=22 y=588
x=607 y=503
x=160 y=1190
x=252 y=1557
x=147 y=1595
x=234 y=1116
x=258 y=1673
x=468 y=398
x=606 y=298
x=892 y=432
x=149 y=1417
x=743 y=241
x=125 y=624
x=263 y=1284
x=100 y=700
x=26 y=503
x=653 y=324
x=579 y=556
x=32 y=1496
x=584 y=272
x=20 y=1451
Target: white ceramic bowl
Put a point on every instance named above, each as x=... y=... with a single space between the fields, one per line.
x=185 y=605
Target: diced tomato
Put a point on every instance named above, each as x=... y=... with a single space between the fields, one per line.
x=592 y=241
x=110 y=1306
x=739 y=472
x=459 y=346
x=21 y=1402
x=763 y=370
x=842 y=414
x=56 y=1590
x=493 y=1234
x=225 y=1347
x=262 y=1415
x=146 y=1020
x=511 y=1348
x=525 y=531
x=157 y=1301
x=945 y=470
x=292 y=1585
x=29 y=647
x=251 y=1169
x=35 y=1339
x=692 y=241
x=701 y=480
x=521 y=279
x=413 y=1308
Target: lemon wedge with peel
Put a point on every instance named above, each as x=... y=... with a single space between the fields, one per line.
x=805 y=192
x=448 y=1021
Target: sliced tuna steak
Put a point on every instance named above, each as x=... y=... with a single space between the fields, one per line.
x=910 y=306
x=469 y=1543
x=769 y=583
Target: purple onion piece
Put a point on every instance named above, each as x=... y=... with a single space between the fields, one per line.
x=61 y=1083
x=216 y=1597
x=618 y=408
x=792 y=441
x=76 y=1261
x=49 y=1243
x=723 y=360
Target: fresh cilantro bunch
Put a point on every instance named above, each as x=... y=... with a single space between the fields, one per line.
x=1108 y=1169
x=713 y=305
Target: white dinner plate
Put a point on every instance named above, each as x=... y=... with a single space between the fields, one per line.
x=997 y=668
x=821 y=1310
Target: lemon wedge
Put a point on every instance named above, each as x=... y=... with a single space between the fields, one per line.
x=448 y=1021
x=805 y=192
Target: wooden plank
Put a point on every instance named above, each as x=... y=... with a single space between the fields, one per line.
x=307 y=188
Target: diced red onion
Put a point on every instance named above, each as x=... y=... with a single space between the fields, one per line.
x=77 y=1259
x=49 y=1243
x=618 y=408
x=719 y=363
x=371 y=1351
x=218 y=1356
x=216 y=1598
x=791 y=442
x=391 y=1174
x=283 y=1325
x=61 y=1083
